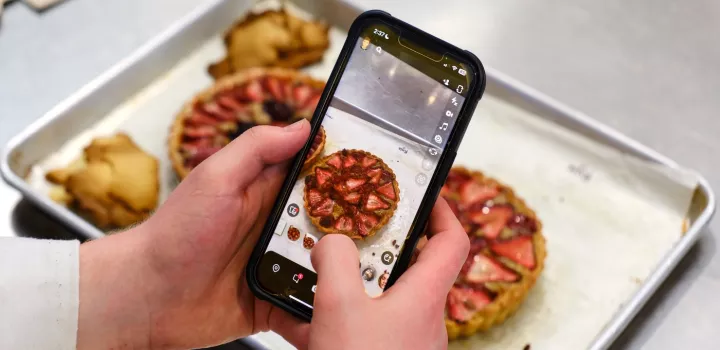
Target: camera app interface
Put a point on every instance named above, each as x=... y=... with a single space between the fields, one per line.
x=378 y=148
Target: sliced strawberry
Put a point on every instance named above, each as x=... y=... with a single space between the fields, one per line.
x=200 y=155
x=519 y=250
x=374 y=202
x=199 y=117
x=274 y=87
x=252 y=92
x=388 y=190
x=314 y=197
x=472 y=192
x=522 y=224
x=484 y=269
x=322 y=175
x=200 y=131
x=456 y=178
x=301 y=94
x=219 y=112
x=492 y=219
x=340 y=188
x=353 y=198
x=464 y=302
x=349 y=161
x=385 y=177
x=335 y=161
x=344 y=223
x=192 y=147
x=374 y=175
x=365 y=223
x=352 y=184
x=311 y=103
x=368 y=162
x=325 y=208
x=227 y=101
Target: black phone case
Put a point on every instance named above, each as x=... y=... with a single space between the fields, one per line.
x=417 y=229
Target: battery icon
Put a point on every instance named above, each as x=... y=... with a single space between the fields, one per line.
x=461 y=72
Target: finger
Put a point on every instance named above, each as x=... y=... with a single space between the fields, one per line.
x=292 y=329
x=336 y=261
x=245 y=157
x=441 y=258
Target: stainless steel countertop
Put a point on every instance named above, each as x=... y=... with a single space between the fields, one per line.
x=649 y=68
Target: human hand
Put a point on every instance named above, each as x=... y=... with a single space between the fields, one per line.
x=409 y=315
x=177 y=280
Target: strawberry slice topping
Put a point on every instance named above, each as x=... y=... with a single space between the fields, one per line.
x=322 y=176
x=314 y=197
x=344 y=223
x=365 y=223
x=199 y=117
x=340 y=188
x=472 y=192
x=325 y=208
x=483 y=269
x=374 y=175
x=387 y=190
x=464 y=302
x=519 y=250
x=374 y=203
x=349 y=161
x=368 y=162
x=301 y=94
x=311 y=103
x=200 y=131
x=492 y=219
x=353 y=198
x=218 y=112
x=275 y=88
x=352 y=184
x=252 y=92
x=385 y=177
x=335 y=161
x=227 y=101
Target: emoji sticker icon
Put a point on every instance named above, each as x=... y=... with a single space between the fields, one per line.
x=365 y=43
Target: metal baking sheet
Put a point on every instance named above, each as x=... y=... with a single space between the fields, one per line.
x=142 y=93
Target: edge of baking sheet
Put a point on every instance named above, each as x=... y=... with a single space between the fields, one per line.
x=342 y=15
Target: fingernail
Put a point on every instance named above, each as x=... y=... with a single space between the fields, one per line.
x=296 y=125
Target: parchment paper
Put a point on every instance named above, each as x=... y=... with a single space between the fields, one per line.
x=608 y=218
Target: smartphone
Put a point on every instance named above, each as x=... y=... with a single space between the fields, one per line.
x=392 y=116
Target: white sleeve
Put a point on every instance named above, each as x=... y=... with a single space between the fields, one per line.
x=39 y=293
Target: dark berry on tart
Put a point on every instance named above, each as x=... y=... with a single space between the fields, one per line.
x=237 y=103
x=351 y=192
x=507 y=252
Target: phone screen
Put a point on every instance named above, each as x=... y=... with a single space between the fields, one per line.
x=385 y=129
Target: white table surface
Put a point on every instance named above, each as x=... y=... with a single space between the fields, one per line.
x=649 y=68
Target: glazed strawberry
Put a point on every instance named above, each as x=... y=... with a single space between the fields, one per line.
x=344 y=223
x=325 y=208
x=314 y=197
x=349 y=161
x=374 y=202
x=387 y=190
x=352 y=184
x=522 y=224
x=218 y=112
x=374 y=175
x=274 y=87
x=365 y=223
x=492 y=219
x=353 y=198
x=519 y=250
x=311 y=104
x=199 y=118
x=200 y=132
x=335 y=161
x=472 y=192
x=252 y=92
x=368 y=162
x=464 y=302
x=322 y=176
x=229 y=102
x=483 y=269
x=301 y=94
x=340 y=188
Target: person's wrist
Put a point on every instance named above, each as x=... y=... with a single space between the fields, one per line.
x=114 y=284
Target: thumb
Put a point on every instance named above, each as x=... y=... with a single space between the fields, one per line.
x=245 y=157
x=336 y=261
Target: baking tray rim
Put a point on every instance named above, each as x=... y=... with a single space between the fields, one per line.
x=611 y=331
